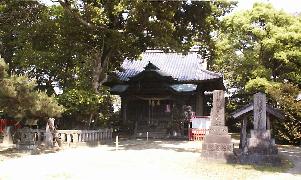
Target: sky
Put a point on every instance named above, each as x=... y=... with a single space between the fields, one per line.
x=290 y=6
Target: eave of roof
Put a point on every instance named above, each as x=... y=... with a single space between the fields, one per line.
x=250 y=107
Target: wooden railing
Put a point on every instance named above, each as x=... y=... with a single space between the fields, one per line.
x=197 y=134
x=33 y=137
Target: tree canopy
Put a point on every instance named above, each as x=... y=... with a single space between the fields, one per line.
x=19 y=99
x=76 y=43
x=260 y=50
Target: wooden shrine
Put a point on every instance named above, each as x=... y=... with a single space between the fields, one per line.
x=258 y=146
x=155 y=90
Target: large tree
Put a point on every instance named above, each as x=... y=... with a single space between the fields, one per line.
x=260 y=50
x=86 y=39
x=75 y=42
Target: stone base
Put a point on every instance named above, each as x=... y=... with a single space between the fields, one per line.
x=217 y=145
x=261 y=143
x=221 y=156
x=26 y=146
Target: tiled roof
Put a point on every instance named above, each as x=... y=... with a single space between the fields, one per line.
x=184 y=68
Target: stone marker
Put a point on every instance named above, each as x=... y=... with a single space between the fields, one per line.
x=260 y=141
x=261 y=148
x=217 y=144
x=27 y=139
x=48 y=136
x=259 y=112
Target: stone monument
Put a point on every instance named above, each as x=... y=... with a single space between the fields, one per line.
x=260 y=146
x=27 y=139
x=217 y=144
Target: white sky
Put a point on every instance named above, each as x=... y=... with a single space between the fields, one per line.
x=290 y=6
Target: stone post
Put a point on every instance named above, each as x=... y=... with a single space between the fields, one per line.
x=68 y=138
x=101 y=135
x=48 y=137
x=7 y=139
x=75 y=137
x=217 y=144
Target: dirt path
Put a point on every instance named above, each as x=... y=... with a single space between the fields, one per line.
x=293 y=153
x=134 y=160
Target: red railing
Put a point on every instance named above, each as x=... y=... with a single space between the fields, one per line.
x=6 y=122
x=197 y=134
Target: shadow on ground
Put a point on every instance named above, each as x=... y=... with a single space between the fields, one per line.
x=194 y=147
x=10 y=153
x=143 y=144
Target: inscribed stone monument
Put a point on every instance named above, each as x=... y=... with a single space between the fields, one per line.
x=217 y=144
x=260 y=141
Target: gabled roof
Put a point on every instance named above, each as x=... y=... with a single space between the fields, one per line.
x=250 y=107
x=184 y=68
x=151 y=70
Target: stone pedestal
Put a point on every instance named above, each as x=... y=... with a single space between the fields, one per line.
x=261 y=142
x=27 y=140
x=217 y=144
x=261 y=149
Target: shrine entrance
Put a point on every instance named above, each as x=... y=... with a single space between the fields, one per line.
x=157 y=116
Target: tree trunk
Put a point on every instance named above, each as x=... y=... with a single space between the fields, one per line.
x=99 y=68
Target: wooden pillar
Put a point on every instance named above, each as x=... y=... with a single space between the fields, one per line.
x=268 y=122
x=243 y=133
x=199 y=109
x=124 y=109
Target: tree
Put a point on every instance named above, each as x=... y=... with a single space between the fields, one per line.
x=259 y=50
x=76 y=43
x=19 y=99
x=90 y=38
x=81 y=104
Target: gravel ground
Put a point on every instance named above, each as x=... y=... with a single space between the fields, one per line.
x=293 y=153
x=134 y=160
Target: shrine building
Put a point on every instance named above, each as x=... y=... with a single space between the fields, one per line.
x=155 y=90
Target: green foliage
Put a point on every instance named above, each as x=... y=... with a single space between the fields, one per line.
x=19 y=99
x=63 y=41
x=259 y=50
x=257 y=84
x=288 y=130
x=262 y=42
x=81 y=104
x=75 y=43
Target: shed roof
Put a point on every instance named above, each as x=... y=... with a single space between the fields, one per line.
x=184 y=68
x=250 y=107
